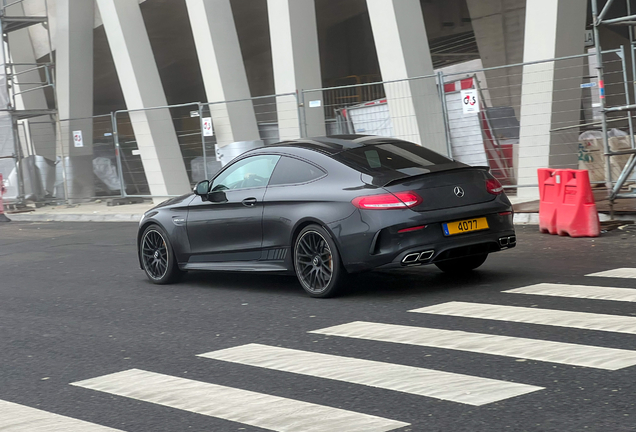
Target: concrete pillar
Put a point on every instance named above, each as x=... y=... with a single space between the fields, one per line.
x=74 y=82
x=22 y=51
x=403 y=52
x=296 y=62
x=499 y=27
x=141 y=86
x=551 y=93
x=223 y=71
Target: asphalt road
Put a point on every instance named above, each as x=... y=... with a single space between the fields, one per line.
x=75 y=306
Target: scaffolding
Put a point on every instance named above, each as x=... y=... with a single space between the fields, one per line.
x=13 y=18
x=599 y=19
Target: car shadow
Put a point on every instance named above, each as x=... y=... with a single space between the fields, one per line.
x=374 y=284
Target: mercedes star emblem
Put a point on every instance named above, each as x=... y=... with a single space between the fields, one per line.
x=458 y=191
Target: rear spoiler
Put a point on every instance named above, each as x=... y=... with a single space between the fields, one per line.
x=407 y=177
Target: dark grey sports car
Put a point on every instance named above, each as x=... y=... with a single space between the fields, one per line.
x=323 y=208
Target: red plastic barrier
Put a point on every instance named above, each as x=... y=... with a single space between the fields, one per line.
x=577 y=215
x=3 y=217
x=549 y=193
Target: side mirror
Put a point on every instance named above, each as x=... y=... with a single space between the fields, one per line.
x=202 y=188
x=217 y=196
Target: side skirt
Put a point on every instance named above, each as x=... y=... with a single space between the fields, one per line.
x=237 y=266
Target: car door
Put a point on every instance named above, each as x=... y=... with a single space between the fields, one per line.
x=230 y=229
x=290 y=197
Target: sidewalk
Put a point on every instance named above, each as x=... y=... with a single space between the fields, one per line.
x=526 y=213
x=89 y=212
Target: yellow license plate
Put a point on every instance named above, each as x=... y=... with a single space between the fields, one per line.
x=464 y=226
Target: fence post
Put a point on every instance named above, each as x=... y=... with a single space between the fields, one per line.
x=59 y=140
x=122 y=186
x=627 y=98
x=301 y=114
x=442 y=97
x=205 y=155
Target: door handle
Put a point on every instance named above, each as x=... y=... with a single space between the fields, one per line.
x=249 y=202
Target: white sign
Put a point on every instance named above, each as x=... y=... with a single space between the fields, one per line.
x=589 y=38
x=315 y=103
x=470 y=101
x=217 y=151
x=78 y=141
x=207 y=126
x=194 y=113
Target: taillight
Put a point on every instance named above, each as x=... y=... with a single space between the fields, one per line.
x=399 y=200
x=493 y=186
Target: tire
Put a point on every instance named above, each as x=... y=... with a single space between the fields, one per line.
x=157 y=256
x=462 y=265
x=317 y=262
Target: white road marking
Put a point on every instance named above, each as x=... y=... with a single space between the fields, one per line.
x=448 y=386
x=242 y=406
x=551 y=317
x=20 y=418
x=578 y=291
x=626 y=273
x=532 y=349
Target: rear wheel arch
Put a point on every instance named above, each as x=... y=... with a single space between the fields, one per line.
x=306 y=222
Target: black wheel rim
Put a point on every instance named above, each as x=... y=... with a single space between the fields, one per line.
x=314 y=261
x=154 y=254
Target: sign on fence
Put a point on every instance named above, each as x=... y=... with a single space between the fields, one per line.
x=470 y=101
x=207 y=126
x=78 y=141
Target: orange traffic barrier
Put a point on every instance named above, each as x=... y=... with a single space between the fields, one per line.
x=549 y=197
x=3 y=217
x=577 y=215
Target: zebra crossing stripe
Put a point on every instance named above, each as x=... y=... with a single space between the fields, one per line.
x=448 y=386
x=20 y=418
x=626 y=273
x=550 y=317
x=532 y=349
x=578 y=291
x=242 y=406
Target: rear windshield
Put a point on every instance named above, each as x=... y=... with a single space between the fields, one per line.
x=393 y=159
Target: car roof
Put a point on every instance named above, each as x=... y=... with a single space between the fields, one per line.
x=334 y=144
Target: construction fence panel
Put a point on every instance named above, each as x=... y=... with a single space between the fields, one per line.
x=138 y=131
x=409 y=109
x=66 y=159
x=537 y=115
x=232 y=127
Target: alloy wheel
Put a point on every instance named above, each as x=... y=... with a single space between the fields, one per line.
x=314 y=261
x=155 y=254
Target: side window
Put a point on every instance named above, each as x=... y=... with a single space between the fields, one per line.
x=250 y=172
x=293 y=171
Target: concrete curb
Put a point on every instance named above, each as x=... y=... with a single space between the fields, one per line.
x=50 y=217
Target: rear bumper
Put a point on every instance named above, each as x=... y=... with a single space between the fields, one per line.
x=370 y=239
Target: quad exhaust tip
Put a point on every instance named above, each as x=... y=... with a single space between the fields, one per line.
x=417 y=257
x=508 y=241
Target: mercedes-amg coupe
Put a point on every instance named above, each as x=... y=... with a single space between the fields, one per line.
x=323 y=208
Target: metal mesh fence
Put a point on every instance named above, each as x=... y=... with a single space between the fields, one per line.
x=237 y=126
x=70 y=159
x=544 y=114
x=523 y=117
x=407 y=109
x=138 y=131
